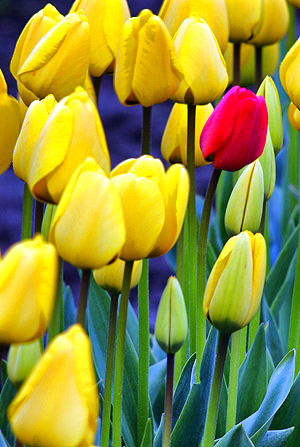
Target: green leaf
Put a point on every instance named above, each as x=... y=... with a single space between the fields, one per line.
x=225 y=186
x=7 y=395
x=157 y=375
x=182 y=389
x=222 y=412
x=3 y=372
x=278 y=388
x=273 y=338
x=148 y=434
x=69 y=308
x=236 y=437
x=3 y=442
x=286 y=287
x=253 y=376
x=159 y=434
x=276 y=438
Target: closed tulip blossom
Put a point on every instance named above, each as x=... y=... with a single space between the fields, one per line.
x=235 y=285
x=147 y=70
x=110 y=277
x=245 y=19
x=274 y=24
x=106 y=20
x=202 y=82
x=154 y=204
x=51 y=55
x=235 y=133
x=294 y=116
x=289 y=73
x=72 y=132
x=174 y=12
x=21 y=360
x=88 y=227
x=28 y=274
x=58 y=404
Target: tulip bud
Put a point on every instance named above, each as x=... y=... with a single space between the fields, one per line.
x=146 y=52
x=294 y=116
x=245 y=205
x=110 y=277
x=21 y=360
x=91 y=200
x=267 y=161
x=202 y=83
x=171 y=320
x=288 y=73
x=51 y=55
x=58 y=404
x=269 y=91
x=10 y=124
x=28 y=274
x=274 y=24
x=235 y=285
x=173 y=14
x=106 y=19
x=173 y=144
x=235 y=133
x=244 y=19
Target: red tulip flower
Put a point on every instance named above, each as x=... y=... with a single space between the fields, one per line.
x=235 y=133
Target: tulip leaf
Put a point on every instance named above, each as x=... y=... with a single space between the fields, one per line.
x=222 y=412
x=148 y=435
x=69 y=308
x=182 y=389
x=286 y=287
x=3 y=442
x=277 y=391
x=277 y=274
x=157 y=375
x=289 y=414
x=7 y=394
x=236 y=437
x=273 y=338
x=3 y=372
x=276 y=438
x=224 y=189
x=250 y=370
x=159 y=434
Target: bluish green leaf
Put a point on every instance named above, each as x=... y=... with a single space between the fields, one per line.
x=69 y=308
x=182 y=389
x=3 y=442
x=286 y=286
x=133 y=327
x=225 y=186
x=148 y=433
x=157 y=375
x=3 y=372
x=276 y=438
x=253 y=376
x=7 y=394
x=159 y=434
x=236 y=437
x=273 y=338
x=222 y=413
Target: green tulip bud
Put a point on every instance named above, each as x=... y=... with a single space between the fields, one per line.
x=171 y=319
x=21 y=360
x=245 y=205
x=269 y=91
x=267 y=161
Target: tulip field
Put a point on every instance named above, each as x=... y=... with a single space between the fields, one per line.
x=150 y=219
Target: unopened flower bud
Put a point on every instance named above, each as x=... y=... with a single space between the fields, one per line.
x=21 y=360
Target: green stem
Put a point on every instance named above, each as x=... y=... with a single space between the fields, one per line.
x=192 y=225
x=243 y=344
x=55 y=323
x=168 y=401
x=215 y=391
x=143 y=379
x=27 y=213
x=119 y=361
x=146 y=133
x=47 y=220
x=83 y=296
x=201 y=274
x=233 y=379
x=258 y=66
x=105 y=428
x=39 y=212
x=97 y=85
x=236 y=63
x=180 y=277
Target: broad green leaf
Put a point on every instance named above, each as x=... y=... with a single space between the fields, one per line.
x=157 y=376
x=253 y=377
x=286 y=287
x=159 y=434
x=273 y=338
x=182 y=389
x=3 y=372
x=225 y=186
x=69 y=308
x=7 y=394
x=236 y=437
x=148 y=433
x=222 y=413
x=276 y=438
x=133 y=327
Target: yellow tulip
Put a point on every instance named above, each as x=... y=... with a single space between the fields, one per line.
x=88 y=228
x=245 y=19
x=51 y=55
x=173 y=144
x=204 y=68
x=110 y=277
x=147 y=70
x=245 y=205
x=10 y=124
x=174 y=12
x=154 y=205
x=289 y=73
x=58 y=404
x=294 y=116
x=274 y=25
x=106 y=20
x=235 y=285
x=28 y=275
x=21 y=360
x=171 y=324
x=72 y=132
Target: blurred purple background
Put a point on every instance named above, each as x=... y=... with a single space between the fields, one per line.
x=122 y=126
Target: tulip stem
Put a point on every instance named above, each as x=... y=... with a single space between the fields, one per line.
x=119 y=361
x=215 y=391
x=39 y=212
x=146 y=132
x=27 y=213
x=143 y=379
x=83 y=296
x=55 y=326
x=236 y=63
x=97 y=84
x=180 y=355
x=201 y=275
x=192 y=226
x=258 y=66
x=168 y=401
x=105 y=428
x=233 y=379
